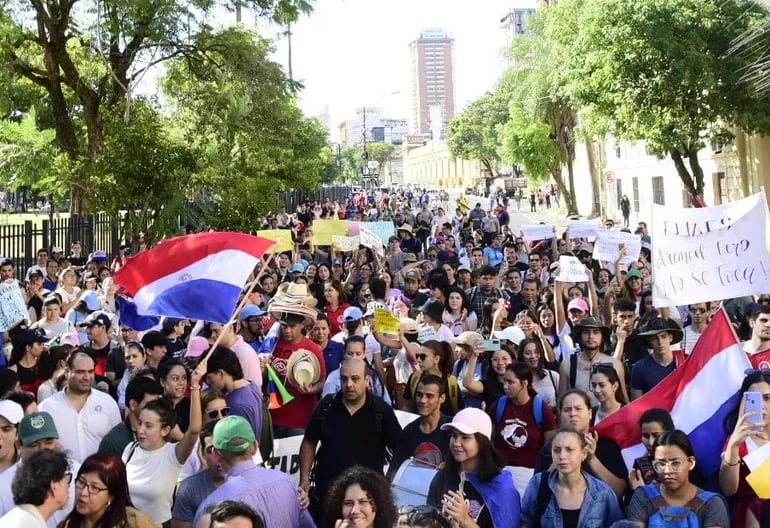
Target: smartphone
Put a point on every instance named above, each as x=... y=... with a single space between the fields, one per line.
x=752 y=402
x=491 y=345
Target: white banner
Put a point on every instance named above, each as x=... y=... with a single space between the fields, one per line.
x=608 y=242
x=535 y=233
x=13 y=309
x=584 y=228
x=345 y=243
x=571 y=270
x=370 y=240
x=710 y=253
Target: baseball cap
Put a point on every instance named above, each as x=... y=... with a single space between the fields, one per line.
x=410 y=257
x=27 y=336
x=634 y=273
x=251 y=310
x=37 y=426
x=472 y=339
x=233 y=434
x=464 y=268
x=514 y=334
x=578 y=304
x=586 y=247
x=352 y=313
x=11 y=411
x=70 y=338
x=470 y=421
x=196 y=347
x=413 y=276
x=57 y=249
x=297 y=268
x=97 y=318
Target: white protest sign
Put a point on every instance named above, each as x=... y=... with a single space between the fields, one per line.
x=709 y=253
x=13 y=309
x=345 y=243
x=370 y=240
x=571 y=270
x=286 y=456
x=584 y=228
x=534 y=233
x=608 y=242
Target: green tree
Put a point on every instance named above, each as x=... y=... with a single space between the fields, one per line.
x=472 y=135
x=660 y=71
x=87 y=61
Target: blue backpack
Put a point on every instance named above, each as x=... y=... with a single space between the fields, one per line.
x=537 y=409
x=667 y=516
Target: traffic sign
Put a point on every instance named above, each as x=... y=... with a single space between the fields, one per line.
x=609 y=176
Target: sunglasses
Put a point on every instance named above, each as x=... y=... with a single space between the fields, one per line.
x=218 y=413
x=751 y=371
x=698 y=310
x=602 y=365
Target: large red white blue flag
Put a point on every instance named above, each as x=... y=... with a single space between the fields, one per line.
x=196 y=276
x=699 y=395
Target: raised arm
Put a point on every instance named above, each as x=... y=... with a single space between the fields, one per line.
x=186 y=445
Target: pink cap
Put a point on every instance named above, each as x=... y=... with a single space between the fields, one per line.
x=578 y=304
x=70 y=338
x=470 y=421
x=197 y=346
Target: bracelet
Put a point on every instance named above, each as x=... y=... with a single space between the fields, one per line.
x=725 y=462
x=195 y=388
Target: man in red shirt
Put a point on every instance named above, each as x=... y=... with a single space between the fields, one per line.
x=291 y=418
x=758 y=347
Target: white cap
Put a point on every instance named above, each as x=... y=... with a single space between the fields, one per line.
x=11 y=411
x=514 y=334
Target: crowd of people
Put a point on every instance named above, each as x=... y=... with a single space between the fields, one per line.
x=505 y=369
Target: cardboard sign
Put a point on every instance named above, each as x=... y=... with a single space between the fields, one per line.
x=608 y=242
x=584 y=228
x=282 y=238
x=571 y=270
x=370 y=239
x=345 y=243
x=382 y=230
x=708 y=253
x=535 y=233
x=323 y=230
x=13 y=309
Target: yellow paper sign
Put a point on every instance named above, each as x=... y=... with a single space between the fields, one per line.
x=282 y=238
x=324 y=230
x=759 y=480
x=385 y=322
x=345 y=243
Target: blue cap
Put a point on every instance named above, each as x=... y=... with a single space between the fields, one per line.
x=92 y=301
x=251 y=310
x=298 y=268
x=353 y=313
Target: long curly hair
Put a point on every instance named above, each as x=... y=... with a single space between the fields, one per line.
x=376 y=487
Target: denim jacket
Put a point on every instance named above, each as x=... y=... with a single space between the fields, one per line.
x=600 y=506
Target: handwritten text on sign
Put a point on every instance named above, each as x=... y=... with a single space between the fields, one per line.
x=534 y=233
x=608 y=242
x=710 y=253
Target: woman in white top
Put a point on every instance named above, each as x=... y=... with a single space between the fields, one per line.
x=544 y=381
x=67 y=290
x=153 y=464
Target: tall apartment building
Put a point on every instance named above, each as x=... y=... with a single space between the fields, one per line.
x=433 y=90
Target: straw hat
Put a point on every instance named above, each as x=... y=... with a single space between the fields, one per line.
x=293 y=293
x=405 y=227
x=280 y=311
x=303 y=368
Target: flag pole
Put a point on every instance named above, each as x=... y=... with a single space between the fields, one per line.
x=237 y=310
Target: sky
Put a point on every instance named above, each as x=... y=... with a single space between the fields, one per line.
x=353 y=53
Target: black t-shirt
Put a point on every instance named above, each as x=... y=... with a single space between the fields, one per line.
x=493 y=389
x=116 y=359
x=432 y=448
x=347 y=440
x=175 y=349
x=183 y=413
x=445 y=481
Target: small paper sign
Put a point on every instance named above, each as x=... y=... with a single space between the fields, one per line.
x=370 y=240
x=345 y=243
x=535 y=233
x=13 y=309
x=385 y=322
x=759 y=480
x=608 y=242
x=584 y=228
x=571 y=270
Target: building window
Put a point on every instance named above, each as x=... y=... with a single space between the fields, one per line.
x=658 y=191
x=720 y=188
x=635 y=189
x=617 y=150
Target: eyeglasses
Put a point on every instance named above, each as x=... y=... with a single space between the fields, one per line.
x=218 y=413
x=361 y=503
x=674 y=465
x=763 y=301
x=602 y=365
x=421 y=357
x=698 y=310
x=92 y=489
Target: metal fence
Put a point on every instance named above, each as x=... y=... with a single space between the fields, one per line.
x=20 y=242
x=291 y=199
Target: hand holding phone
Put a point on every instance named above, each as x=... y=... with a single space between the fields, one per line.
x=752 y=403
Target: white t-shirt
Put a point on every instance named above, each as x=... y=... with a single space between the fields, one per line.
x=24 y=516
x=62 y=326
x=152 y=477
x=545 y=387
x=81 y=432
x=372 y=345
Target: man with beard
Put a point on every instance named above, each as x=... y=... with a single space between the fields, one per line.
x=648 y=372
x=575 y=371
x=412 y=289
x=352 y=426
x=423 y=439
x=758 y=347
x=485 y=289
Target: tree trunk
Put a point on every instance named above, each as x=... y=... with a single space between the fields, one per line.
x=596 y=184
x=687 y=179
x=567 y=195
